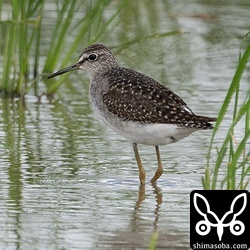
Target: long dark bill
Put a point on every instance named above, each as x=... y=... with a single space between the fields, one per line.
x=65 y=70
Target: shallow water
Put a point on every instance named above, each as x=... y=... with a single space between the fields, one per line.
x=68 y=182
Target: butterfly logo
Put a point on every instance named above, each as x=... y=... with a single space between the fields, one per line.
x=203 y=227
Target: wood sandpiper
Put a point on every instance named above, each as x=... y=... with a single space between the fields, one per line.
x=135 y=105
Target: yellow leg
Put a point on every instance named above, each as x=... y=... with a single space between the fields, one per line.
x=159 y=170
x=142 y=174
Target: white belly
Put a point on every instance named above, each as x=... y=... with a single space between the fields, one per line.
x=152 y=134
x=143 y=133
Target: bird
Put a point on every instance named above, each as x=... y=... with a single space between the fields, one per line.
x=135 y=105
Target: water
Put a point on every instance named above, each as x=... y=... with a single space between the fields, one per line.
x=68 y=182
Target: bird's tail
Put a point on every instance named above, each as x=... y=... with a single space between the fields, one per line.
x=204 y=122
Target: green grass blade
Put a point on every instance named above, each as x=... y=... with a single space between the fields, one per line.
x=228 y=141
x=153 y=242
x=8 y=60
x=60 y=34
x=233 y=164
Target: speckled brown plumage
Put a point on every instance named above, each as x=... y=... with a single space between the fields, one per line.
x=137 y=97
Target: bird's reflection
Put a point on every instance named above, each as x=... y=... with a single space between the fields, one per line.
x=141 y=197
x=141 y=227
x=145 y=218
x=139 y=202
x=158 y=198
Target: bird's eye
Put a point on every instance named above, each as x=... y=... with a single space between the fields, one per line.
x=92 y=57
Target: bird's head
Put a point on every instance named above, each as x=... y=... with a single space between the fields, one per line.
x=95 y=59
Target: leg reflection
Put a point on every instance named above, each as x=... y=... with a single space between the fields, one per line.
x=158 y=198
x=138 y=205
x=141 y=197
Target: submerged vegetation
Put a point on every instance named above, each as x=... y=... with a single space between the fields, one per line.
x=234 y=152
